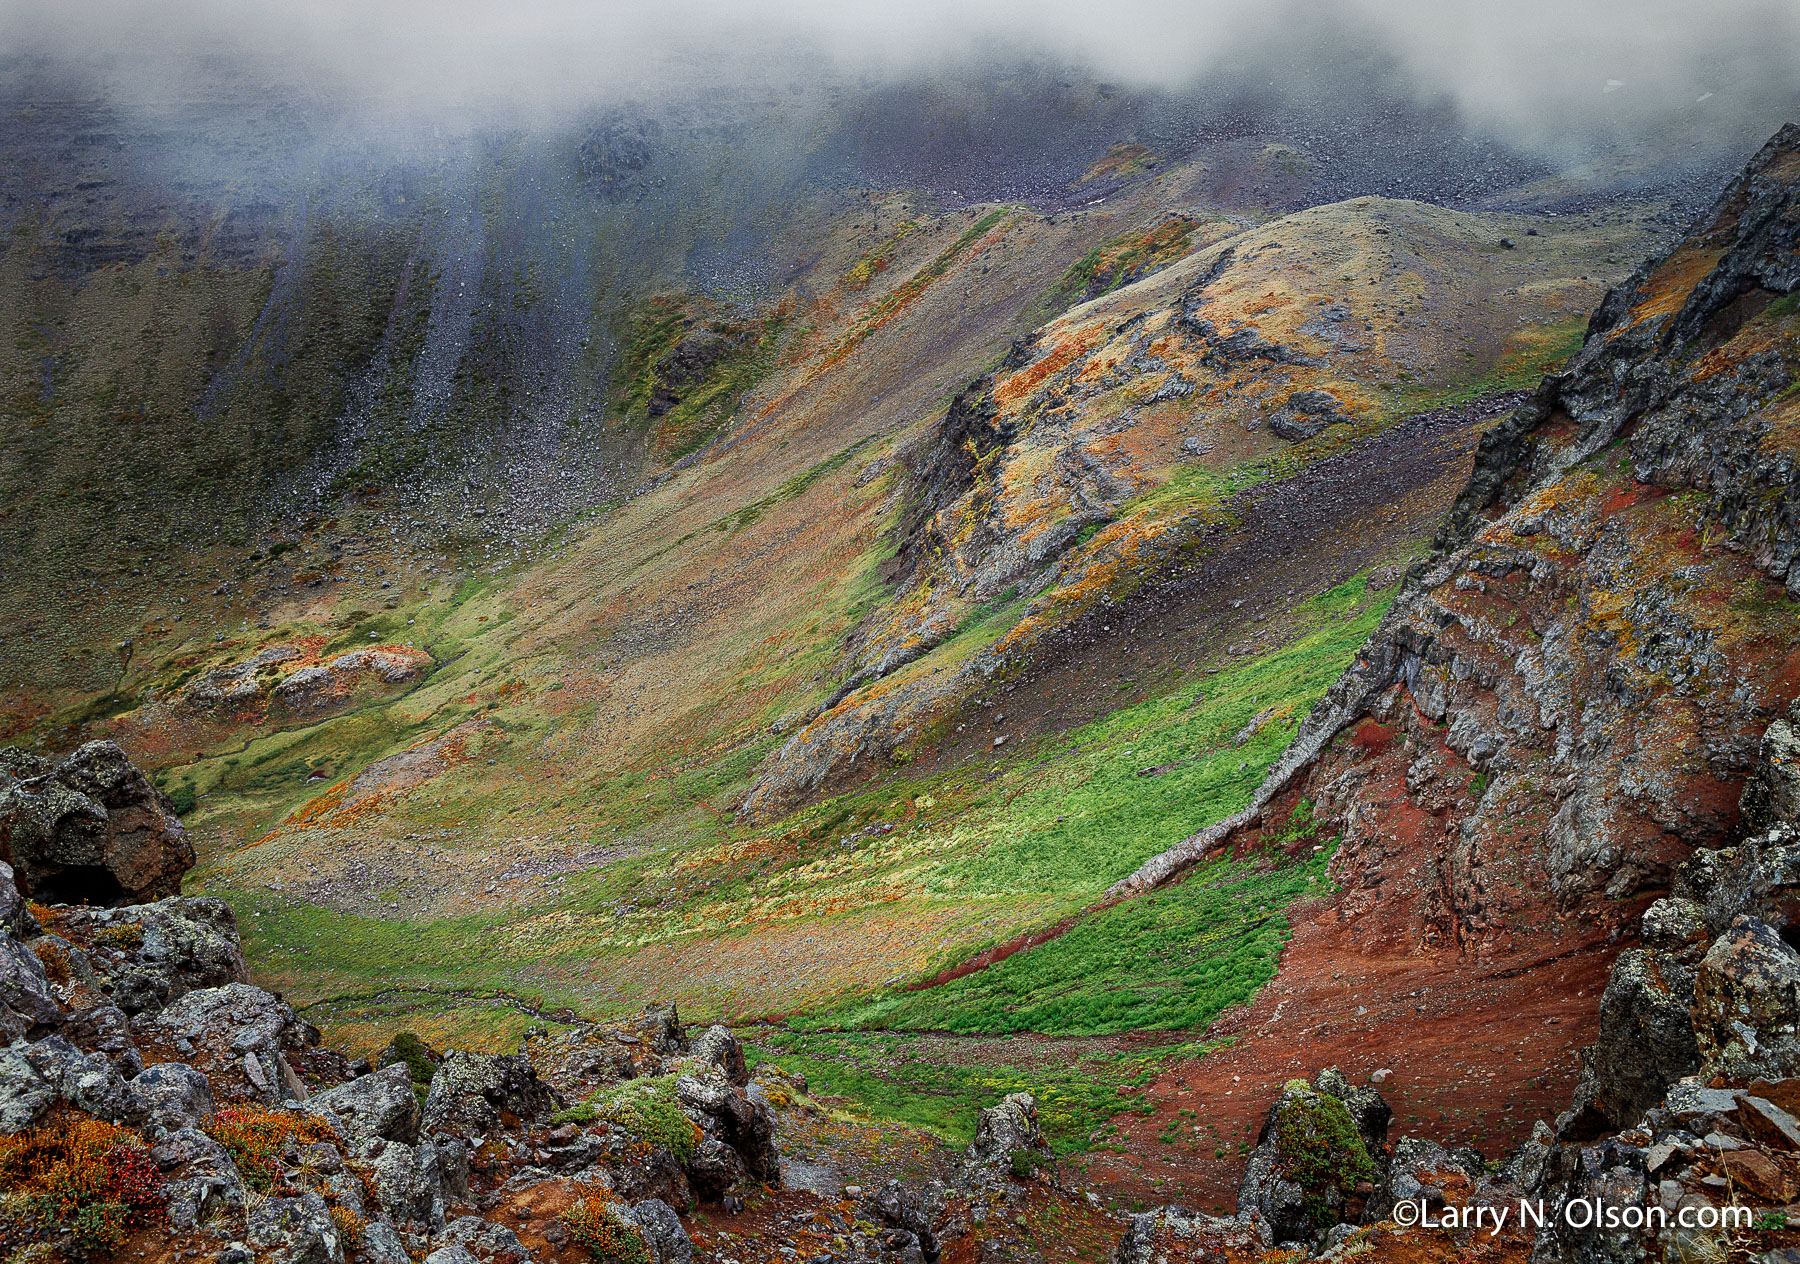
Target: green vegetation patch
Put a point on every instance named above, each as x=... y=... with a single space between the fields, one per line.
x=1126 y=258
x=646 y=1108
x=1172 y=959
x=918 y=1081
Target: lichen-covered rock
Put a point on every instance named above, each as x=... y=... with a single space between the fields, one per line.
x=1310 y=1161
x=668 y=1241
x=381 y=1105
x=1747 y=1004
x=473 y=1093
x=93 y=830
x=381 y=1244
x=484 y=1239
x=1176 y=1233
x=157 y=953
x=104 y=1029
x=296 y=1230
x=177 y=1096
x=26 y=1006
x=15 y=918
x=201 y=1182
x=408 y=1184
x=1419 y=1170
x=36 y=1077
x=1772 y=794
x=728 y=1114
x=1646 y=1043
x=1003 y=1129
x=716 y=1046
x=236 y=1035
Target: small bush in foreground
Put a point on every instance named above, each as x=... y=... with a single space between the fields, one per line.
x=594 y=1223
x=255 y=1137
x=90 y=1178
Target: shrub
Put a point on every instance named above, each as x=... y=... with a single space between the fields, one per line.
x=648 y=1110
x=595 y=1224
x=125 y=936
x=93 y=1179
x=255 y=1137
x=54 y=959
x=1321 y=1151
x=183 y=799
x=350 y=1226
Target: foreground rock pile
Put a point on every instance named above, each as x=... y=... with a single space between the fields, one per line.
x=152 y=1096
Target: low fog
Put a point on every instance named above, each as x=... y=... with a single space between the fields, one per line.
x=1557 y=77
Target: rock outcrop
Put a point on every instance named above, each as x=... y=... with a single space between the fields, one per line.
x=89 y=830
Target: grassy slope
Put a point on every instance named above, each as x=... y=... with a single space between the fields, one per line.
x=610 y=696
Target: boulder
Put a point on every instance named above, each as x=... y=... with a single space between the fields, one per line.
x=1646 y=1043
x=103 y=1029
x=1420 y=1170
x=1747 y=1005
x=381 y=1244
x=93 y=831
x=381 y=1105
x=1309 y=1163
x=897 y=1207
x=1772 y=793
x=485 y=1239
x=716 y=1046
x=176 y=1095
x=26 y=1006
x=727 y=1113
x=408 y=1185
x=1176 y=1233
x=296 y=1230
x=1305 y=414
x=201 y=1182
x=668 y=1241
x=714 y=1169
x=236 y=1035
x=452 y=1255
x=1008 y=1127
x=474 y=1093
x=36 y=1077
x=15 y=918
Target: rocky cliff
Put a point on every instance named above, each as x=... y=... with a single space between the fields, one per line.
x=1567 y=700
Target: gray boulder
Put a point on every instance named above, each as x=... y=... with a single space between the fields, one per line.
x=159 y=952
x=473 y=1093
x=408 y=1185
x=1012 y=1125
x=237 y=1035
x=1419 y=1170
x=716 y=1046
x=1772 y=794
x=200 y=1180
x=451 y=1255
x=380 y=1105
x=296 y=1230
x=668 y=1241
x=483 y=1239
x=1646 y=1043
x=1176 y=1233
x=1747 y=1005
x=381 y=1244
x=103 y=1029
x=93 y=831
x=15 y=918
x=727 y=1113
x=177 y=1096
x=26 y=1006
x=36 y=1077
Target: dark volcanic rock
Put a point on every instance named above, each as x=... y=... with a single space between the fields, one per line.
x=92 y=830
